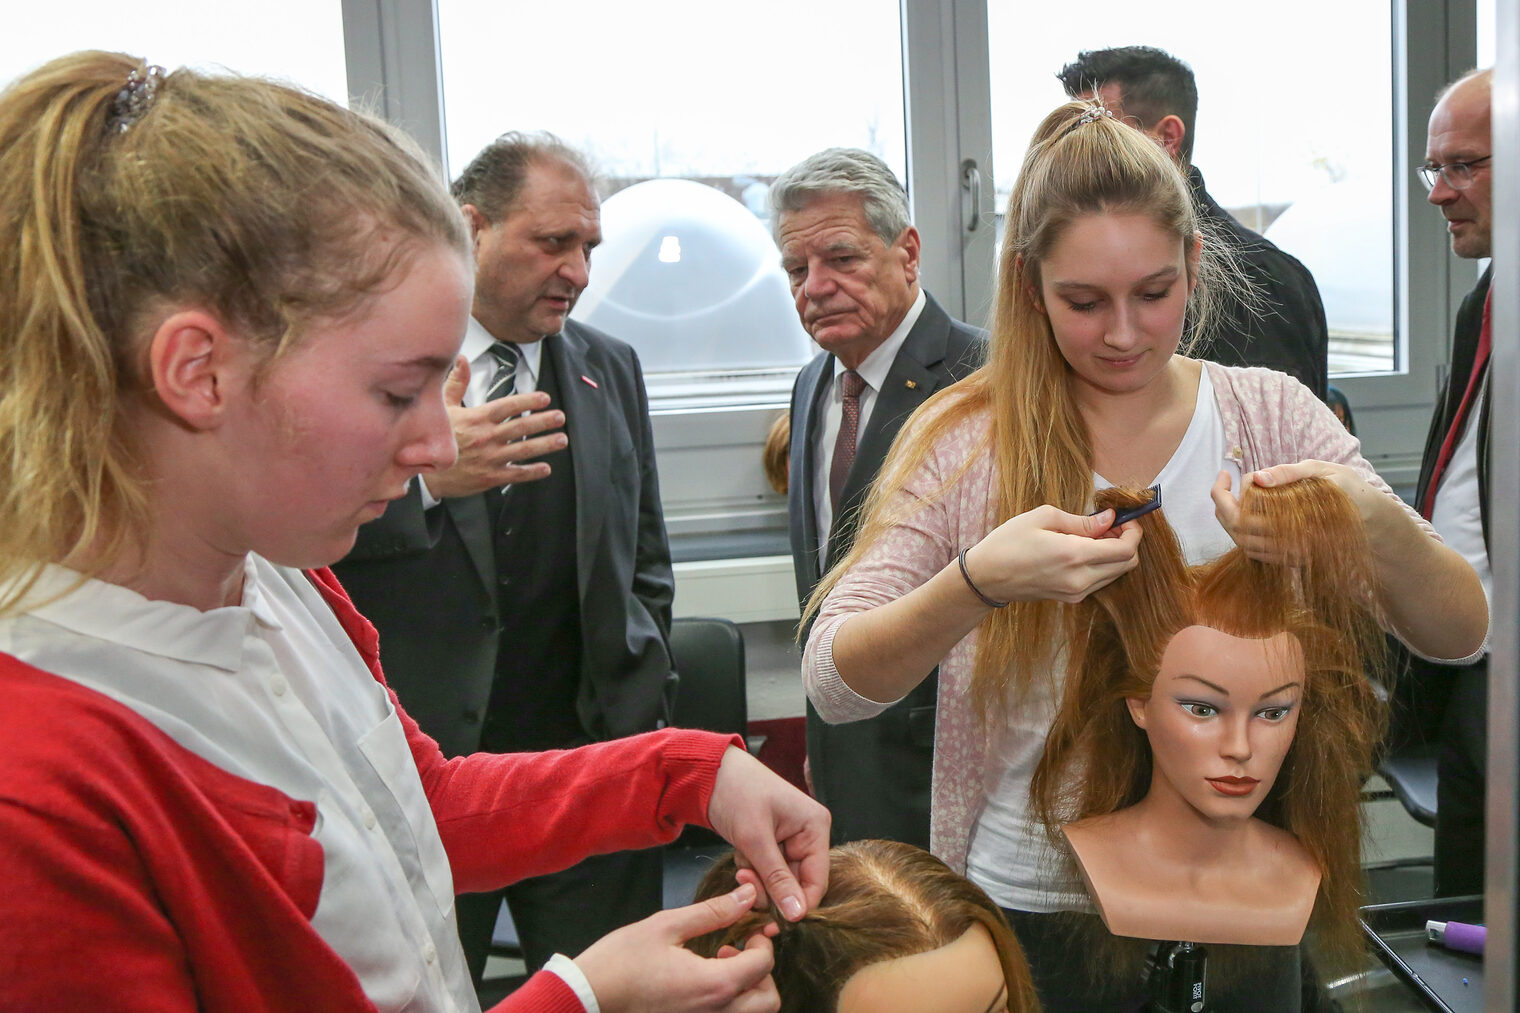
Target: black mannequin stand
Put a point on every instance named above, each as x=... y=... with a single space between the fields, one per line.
x=1178 y=979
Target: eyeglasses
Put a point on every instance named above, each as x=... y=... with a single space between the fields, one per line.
x=1458 y=175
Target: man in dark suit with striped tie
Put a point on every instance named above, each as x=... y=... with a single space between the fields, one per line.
x=851 y=256
x=522 y=604
x=1453 y=490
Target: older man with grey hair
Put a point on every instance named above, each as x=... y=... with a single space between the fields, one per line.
x=851 y=256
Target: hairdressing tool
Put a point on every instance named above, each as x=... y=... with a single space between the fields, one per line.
x=1178 y=979
x=1125 y=516
x=1457 y=936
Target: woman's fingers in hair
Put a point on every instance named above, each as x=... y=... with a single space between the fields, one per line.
x=776 y=830
x=713 y=913
x=1248 y=533
x=1226 y=506
x=1284 y=474
x=747 y=876
x=644 y=966
x=1379 y=511
x=1252 y=531
x=1049 y=554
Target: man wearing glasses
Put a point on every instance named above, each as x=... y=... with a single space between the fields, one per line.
x=1454 y=479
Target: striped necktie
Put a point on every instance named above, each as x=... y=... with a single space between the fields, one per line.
x=505 y=381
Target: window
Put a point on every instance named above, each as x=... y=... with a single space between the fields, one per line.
x=690 y=276
x=1294 y=130
x=722 y=97
x=295 y=40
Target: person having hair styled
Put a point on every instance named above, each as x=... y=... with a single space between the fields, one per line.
x=227 y=312
x=980 y=527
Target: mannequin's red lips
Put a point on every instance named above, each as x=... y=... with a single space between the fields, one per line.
x=1234 y=786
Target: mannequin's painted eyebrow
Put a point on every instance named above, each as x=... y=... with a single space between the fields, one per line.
x=1220 y=689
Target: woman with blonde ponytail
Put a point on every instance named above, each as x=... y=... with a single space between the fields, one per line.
x=227 y=312
x=978 y=529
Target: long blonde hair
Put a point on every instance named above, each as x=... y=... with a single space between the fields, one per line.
x=1081 y=162
x=268 y=206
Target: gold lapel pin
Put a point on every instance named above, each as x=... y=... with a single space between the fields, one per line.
x=911 y=384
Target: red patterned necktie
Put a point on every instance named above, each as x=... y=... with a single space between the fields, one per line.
x=844 y=446
x=1485 y=345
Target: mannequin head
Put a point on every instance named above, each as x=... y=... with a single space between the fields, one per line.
x=1220 y=718
x=896 y=930
x=1290 y=645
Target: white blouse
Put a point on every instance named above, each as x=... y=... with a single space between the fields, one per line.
x=274 y=691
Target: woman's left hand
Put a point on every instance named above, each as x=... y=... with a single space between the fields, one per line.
x=1254 y=538
x=775 y=829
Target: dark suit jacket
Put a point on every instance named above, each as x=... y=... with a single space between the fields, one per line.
x=874 y=774
x=1421 y=695
x=1464 y=349
x=427 y=578
x=1288 y=333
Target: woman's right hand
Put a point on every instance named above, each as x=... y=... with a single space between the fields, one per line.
x=1046 y=553
x=645 y=968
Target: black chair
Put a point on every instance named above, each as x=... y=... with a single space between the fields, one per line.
x=1410 y=749
x=1411 y=772
x=709 y=658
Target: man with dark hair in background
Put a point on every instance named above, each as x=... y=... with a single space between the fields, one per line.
x=1453 y=490
x=523 y=605
x=851 y=257
x=1155 y=92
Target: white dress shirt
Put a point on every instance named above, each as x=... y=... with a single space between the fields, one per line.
x=1457 y=514
x=483 y=369
x=874 y=372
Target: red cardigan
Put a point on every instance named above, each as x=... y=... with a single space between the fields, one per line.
x=136 y=876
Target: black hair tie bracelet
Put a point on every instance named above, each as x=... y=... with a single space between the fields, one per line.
x=974 y=589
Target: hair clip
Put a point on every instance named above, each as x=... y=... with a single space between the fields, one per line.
x=135 y=97
x=1094 y=112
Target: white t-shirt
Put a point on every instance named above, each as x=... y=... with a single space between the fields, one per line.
x=1010 y=856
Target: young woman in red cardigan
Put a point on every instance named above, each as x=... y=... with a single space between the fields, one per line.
x=227 y=311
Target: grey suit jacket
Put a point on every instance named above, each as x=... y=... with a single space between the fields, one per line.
x=427 y=578
x=874 y=774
